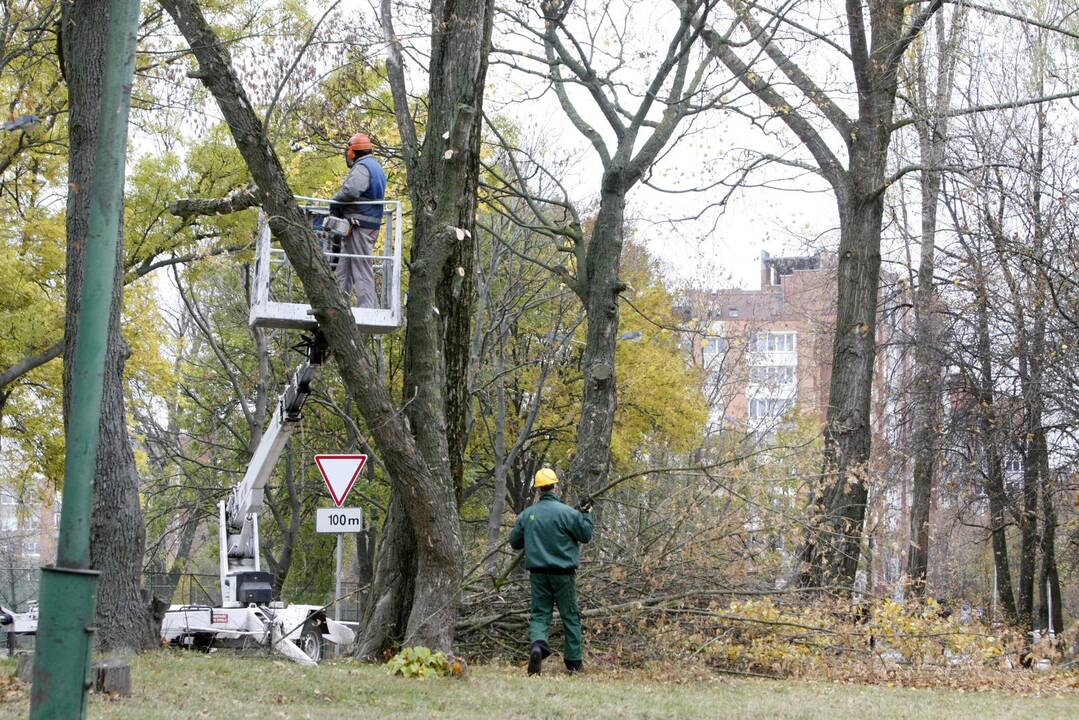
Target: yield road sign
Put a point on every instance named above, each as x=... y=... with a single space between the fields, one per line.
x=340 y=473
x=339 y=520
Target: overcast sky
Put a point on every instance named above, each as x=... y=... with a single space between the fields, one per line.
x=716 y=250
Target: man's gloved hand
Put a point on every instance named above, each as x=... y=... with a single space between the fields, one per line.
x=586 y=504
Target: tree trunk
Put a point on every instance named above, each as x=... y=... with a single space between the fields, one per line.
x=117 y=533
x=1050 y=612
x=600 y=287
x=932 y=136
x=992 y=447
x=183 y=555
x=926 y=388
x=442 y=175
x=365 y=563
x=288 y=527
x=832 y=546
x=501 y=462
x=832 y=552
x=457 y=297
x=422 y=483
x=385 y=615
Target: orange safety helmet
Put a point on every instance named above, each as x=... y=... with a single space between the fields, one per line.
x=357 y=142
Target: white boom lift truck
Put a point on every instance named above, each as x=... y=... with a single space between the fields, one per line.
x=248 y=613
x=15 y=623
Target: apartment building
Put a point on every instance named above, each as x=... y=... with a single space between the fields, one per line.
x=768 y=351
x=28 y=531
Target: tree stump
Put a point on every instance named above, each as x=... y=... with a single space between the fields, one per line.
x=25 y=669
x=112 y=676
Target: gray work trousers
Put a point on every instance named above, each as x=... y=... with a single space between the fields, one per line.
x=356 y=275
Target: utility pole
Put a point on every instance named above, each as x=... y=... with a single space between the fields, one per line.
x=65 y=632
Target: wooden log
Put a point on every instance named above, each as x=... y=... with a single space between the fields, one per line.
x=112 y=676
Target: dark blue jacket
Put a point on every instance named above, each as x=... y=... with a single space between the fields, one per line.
x=366 y=182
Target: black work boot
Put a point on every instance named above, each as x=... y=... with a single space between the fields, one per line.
x=540 y=651
x=535 y=657
x=574 y=666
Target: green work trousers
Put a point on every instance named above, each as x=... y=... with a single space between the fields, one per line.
x=547 y=591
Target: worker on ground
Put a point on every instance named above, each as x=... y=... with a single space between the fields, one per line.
x=550 y=533
x=366 y=183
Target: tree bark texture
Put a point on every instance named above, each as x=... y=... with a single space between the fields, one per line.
x=117 y=533
x=837 y=515
x=599 y=290
x=386 y=613
x=442 y=174
x=426 y=495
x=1031 y=368
x=1028 y=531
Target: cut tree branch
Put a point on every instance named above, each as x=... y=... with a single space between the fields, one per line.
x=237 y=200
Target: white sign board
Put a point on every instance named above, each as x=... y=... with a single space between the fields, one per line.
x=340 y=473
x=339 y=520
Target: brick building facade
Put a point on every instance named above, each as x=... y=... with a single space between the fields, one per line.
x=769 y=351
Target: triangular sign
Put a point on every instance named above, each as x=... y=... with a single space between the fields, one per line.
x=340 y=473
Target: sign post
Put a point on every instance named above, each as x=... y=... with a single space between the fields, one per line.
x=337 y=576
x=340 y=473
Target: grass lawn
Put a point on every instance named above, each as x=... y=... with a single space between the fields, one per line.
x=173 y=685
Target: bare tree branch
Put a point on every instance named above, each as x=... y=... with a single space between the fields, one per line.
x=1010 y=105
x=830 y=167
x=801 y=80
x=31 y=362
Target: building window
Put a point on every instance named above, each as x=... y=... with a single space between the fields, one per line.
x=7 y=497
x=732 y=312
x=771 y=375
x=714 y=346
x=1013 y=464
x=769 y=408
x=772 y=342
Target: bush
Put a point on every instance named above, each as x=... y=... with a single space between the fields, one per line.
x=421 y=662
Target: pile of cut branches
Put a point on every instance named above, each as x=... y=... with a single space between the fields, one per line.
x=637 y=617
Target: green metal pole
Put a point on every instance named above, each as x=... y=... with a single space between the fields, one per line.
x=65 y=631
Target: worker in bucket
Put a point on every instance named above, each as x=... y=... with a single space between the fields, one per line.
x=365 y=183
x=550 y=532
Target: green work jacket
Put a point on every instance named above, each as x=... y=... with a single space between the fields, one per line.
x=550 y=532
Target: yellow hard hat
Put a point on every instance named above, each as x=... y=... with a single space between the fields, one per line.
x=546 y=478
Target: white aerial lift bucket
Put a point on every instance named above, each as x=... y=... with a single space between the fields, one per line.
x=277 y=298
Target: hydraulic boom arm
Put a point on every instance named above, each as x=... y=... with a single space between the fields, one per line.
x=239 y=531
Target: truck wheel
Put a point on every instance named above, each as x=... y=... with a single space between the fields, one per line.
x=202 y=642
x=311 y=641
